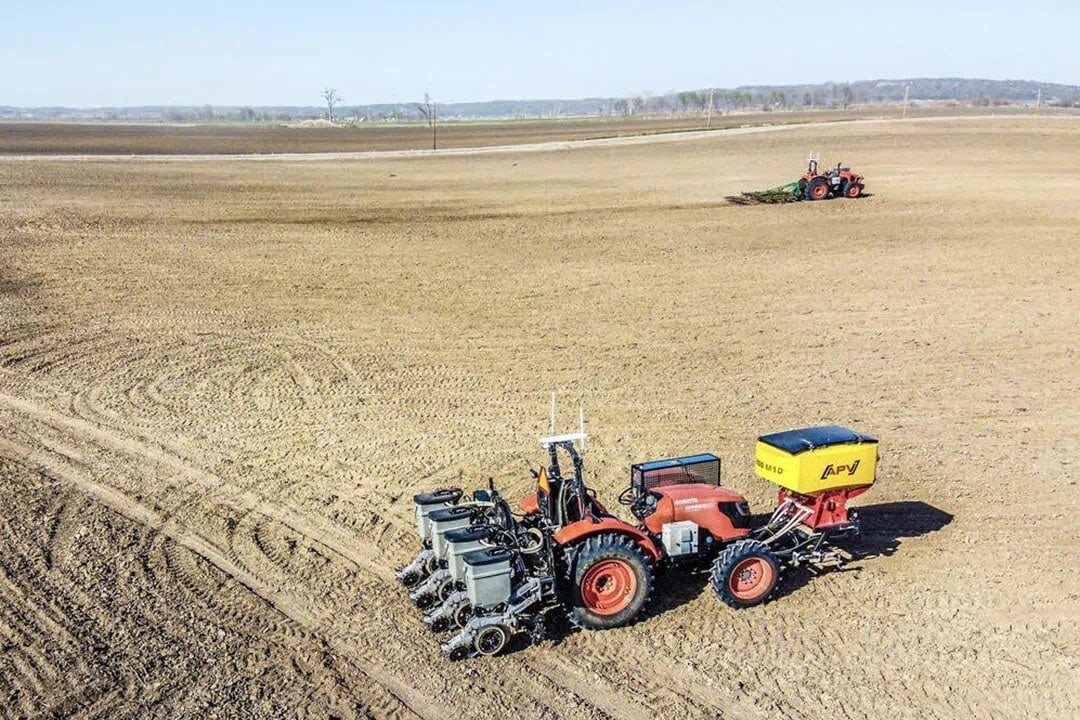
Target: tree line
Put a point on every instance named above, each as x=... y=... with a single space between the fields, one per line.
x=839 y=95
x=831 y=95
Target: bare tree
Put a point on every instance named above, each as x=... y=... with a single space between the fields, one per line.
x=331 y=97
x=848 y=96
x=431 y=115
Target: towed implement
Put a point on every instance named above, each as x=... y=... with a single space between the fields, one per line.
x=486 y=573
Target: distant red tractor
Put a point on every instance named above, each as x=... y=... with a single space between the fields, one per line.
x=835 y=182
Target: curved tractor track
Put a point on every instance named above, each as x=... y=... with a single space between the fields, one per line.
x=283 y=615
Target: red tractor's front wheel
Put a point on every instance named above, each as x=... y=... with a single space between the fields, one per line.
x=853 y=190
x=745 y=574
x=609 y=581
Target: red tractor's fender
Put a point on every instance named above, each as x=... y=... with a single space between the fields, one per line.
x=582 y=529
x=530 y=504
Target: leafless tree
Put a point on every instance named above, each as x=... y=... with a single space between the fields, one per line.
x=431 y=115
x=848 y=95
x=331 y=97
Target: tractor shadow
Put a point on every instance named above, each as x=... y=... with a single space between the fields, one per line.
x=884 y=527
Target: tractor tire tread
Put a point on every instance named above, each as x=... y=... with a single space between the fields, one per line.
x=594 y=547
x=726 y=561
x=817 y=182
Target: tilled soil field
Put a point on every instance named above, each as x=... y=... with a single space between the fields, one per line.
x=221 y=382
x=117 y=138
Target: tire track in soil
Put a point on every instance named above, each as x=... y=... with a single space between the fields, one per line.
x=34 y=624
x=137 y=686
x=323 y=532
x=354 y=394
x=362 y=396
x=313 y=617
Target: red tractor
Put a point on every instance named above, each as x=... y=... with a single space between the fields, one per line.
x=836 y=182
x=488 y=572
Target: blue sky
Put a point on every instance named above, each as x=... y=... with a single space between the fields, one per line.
x=262 y=53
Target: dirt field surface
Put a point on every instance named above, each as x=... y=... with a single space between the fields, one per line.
x=76 y=138
x=221 y=383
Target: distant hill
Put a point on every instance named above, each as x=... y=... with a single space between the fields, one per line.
x=747 y=97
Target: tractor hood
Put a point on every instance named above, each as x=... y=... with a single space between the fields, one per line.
x=719 y=511
x=688 y=493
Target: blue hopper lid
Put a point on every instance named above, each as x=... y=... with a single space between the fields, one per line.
x=469 y=534
x=455 y=512
x=487 y=556
x=438 y=497
x=797 y=441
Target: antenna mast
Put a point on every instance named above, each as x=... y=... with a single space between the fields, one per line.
x=578 y=437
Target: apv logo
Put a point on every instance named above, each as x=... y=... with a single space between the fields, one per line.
x=831 y=469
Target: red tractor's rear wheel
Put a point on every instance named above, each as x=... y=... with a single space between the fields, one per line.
x=609 y=581
x=745 y=574
x=818 y=189
x=853 y=190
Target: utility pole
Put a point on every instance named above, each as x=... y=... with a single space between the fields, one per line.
x=1038 y=101
x=708 y=120
x=907 y=91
